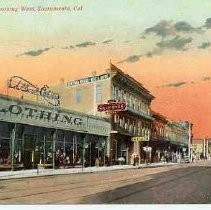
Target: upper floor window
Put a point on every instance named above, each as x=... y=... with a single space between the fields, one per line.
x=98 y=93
x=133 y=103
x=113 y=91
x=116 y=93
x=78 y=96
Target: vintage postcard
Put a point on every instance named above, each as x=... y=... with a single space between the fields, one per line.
x=105 y=102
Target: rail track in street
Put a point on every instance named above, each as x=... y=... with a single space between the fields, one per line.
x=100 y=187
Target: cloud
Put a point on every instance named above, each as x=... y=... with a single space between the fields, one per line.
x=206 y=78
x=35 y=52
x=85 y=44
x=183 y=26
x=107 y=41
x=168 y=28
x=176 y=84
x=156 y=51
x=149 y=54
x=204 y=45
x=68 y=47
x=208 y=23
x=163 y=28
x=177 y=43
x=131 y=59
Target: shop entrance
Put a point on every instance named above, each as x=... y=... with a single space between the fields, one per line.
x=28 y=148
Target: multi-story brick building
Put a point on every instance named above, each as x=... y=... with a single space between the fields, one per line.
x=179 y=136
x=86 y=94
x=201 y=148
x=158 y=136
x=131 y=129
x=169 y=139
x=32 y=135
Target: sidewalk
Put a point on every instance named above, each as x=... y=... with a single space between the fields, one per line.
x=51 y=172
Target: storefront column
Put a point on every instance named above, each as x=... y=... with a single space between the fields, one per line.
x=44 y=152
x=127 y=155
x=207 y=149
x=13 y=135
x=53 y=147
x=137 y=150
x=84 y=150
x=109 y=151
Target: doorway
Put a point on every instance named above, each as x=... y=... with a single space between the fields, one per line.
x=28 y=159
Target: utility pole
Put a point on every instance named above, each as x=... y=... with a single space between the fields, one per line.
x=207 y=149
x=204 y=148
x=189 y=141
x=54 y=147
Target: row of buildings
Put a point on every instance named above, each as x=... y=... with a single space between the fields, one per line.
x=98 y=120
x=201 y=148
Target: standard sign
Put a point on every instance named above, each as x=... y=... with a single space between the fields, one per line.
x=32 y=114
x=138 y=138
x=147 y=149
x=112 y=106
x=88 y=80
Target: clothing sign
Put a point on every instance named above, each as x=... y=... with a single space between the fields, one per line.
x=19 y=111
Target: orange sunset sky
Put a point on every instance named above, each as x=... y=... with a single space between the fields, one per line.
x=168 y=52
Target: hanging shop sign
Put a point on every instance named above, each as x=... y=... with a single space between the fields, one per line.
x=139 y=139
x=147 y=149
x=184 y=149
x=21 y=84
x=112 y=105
x=88 y=80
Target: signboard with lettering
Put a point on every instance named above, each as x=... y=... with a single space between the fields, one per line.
x=112 y=106
x=32 y=114
x=147 y=149
x=88 y=80
x=139 y=138
x=21 y=84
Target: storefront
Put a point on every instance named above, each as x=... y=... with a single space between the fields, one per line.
x=33 y=135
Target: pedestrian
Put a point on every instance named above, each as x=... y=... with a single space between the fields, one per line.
x=97 y=162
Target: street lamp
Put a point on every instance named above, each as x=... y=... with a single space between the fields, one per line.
x=189 y=141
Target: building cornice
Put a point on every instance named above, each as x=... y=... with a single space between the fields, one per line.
x=129 y=81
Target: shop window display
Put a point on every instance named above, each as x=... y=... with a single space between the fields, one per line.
x=4 y=146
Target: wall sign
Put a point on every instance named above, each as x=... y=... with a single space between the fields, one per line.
x=18 y=111
x=112 y=106
x=18 y=83
x=88 y=80
x=139 y=139
x=147 y=149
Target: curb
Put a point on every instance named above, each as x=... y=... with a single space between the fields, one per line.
x=55 y=172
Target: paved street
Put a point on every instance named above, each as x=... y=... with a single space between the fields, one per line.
x=184 y=183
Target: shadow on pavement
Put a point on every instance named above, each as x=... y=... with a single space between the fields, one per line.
x=186 y=185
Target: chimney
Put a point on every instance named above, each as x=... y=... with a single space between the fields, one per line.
x=93 y=73
x=61 y=81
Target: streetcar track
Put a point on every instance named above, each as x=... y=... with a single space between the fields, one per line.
x=156 y=185
x=53 y=191
x=64 y=184
x=110 y=191
x=134 y=179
